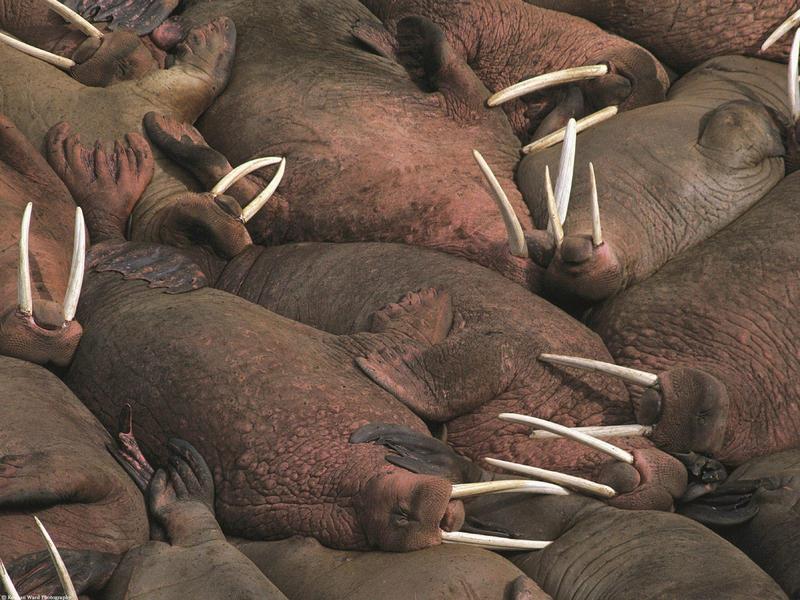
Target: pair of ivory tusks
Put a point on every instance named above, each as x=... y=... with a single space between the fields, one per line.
x=588 y=436
x=70 y=16
x=249 y=211
x=491 y=541
x=73 y=293
x=557 y=202
x=61 y=569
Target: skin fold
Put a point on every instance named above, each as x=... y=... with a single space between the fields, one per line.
x=54 y=464
x=668 y=175
x=43 y=337
x=727 y=307
x=497 y=330
x=770 y=538
x=684 y=33
x=507 y=41
x=383 y=154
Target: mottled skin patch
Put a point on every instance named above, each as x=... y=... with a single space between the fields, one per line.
x=684 y=33
x=505 y=41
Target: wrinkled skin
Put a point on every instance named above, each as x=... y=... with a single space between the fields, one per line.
x=196 y=560
x=302 y=568
x=727 y=307
x=434 y=382
x=597 y=551
x=43 y=97
x=772 y=485
x=684 y=33
x=371 y=156
x=507 y=41
x=54 y=464
x=668 y=175
x=602 y=552
x=274 y=424
x=42 y=337
x=120 y=56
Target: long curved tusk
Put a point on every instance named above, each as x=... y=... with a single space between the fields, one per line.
x=600 y=431
x=516 y=237
x=569 y=433
x=24 y=294
x=793 y=84
x=61 y=568
x=466 y=490
x=583 y=124
x=548 y=80
x=578 y=484
x=243 y=169
x=249 y=211
x=491 y=541
x=782 y=29
x=65 y=64
x=587 y=364
x=71 y=16
x=76 y=268
x=566 y=171
x=597 y=230
x=7 y=583
x=554 y=225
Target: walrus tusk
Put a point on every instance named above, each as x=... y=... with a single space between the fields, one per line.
x=587 y=364
x=466 y=490
x=572 y=434
x=547 y=80
x=566 y=171
x=491 y=541
x=516 y=237
x=73 y=292
x=71 y=16
x=249 y=211
x=554 y=225
x=243 y=169
x=579 y=484
x=7 y=583
x=782 y=29
x=61 y=568
x=24 y=294
x=597 y=230
x=793 y=84
x=583 y=124
x=65 y=64
x=600 y=431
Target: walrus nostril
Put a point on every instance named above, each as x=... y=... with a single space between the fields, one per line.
x=576 y=250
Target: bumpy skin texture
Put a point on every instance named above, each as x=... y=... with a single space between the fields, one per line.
x=727 y=307
x=119 y=56
x=270 y=403
x=26 y=177
x=197 y=561
x=54 y=464
x=684 y=33
x=302 y=568
x=487 y=365
x=668 y=175
x=371 y=156
x=771 y=537
x=506 y=41
x=602 y=552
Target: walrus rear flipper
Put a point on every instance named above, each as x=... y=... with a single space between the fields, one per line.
x=35 y=574
x=143 y=16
